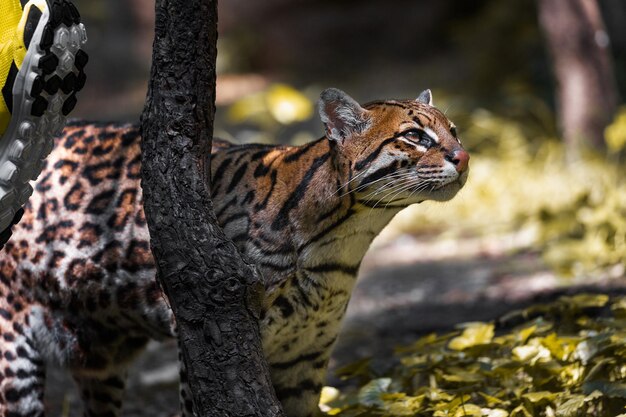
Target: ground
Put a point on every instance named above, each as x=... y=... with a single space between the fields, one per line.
x=407 y=287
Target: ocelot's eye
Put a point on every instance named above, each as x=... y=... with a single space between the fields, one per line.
x=420 y=137
x=453 y=131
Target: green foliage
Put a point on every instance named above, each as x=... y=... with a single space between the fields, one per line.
x=564 y=359
x=590 y=233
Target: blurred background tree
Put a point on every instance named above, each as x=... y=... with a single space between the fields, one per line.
x=586 y=91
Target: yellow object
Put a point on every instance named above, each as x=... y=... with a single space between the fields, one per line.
x=12 y=49
x=474 y=334
x=288 y=105
x=280 y=104
x=615 y=133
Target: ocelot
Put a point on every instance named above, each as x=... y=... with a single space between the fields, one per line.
x=77 y=281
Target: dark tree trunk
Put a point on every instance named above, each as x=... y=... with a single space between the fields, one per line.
x=586 y=88
x=214 y=294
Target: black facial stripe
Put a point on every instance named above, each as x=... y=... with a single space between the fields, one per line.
x=424 y=115
x=385 y=103
x=418 y=121
x=373 y=155
x=379 y=173
x=425 y=141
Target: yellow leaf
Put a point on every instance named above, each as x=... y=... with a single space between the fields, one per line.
x=532 y=352
x=535 y=397
x=455 y=374
x=491 y=400
x=329 y=394
x=405 y=406
x=586 y=300
x=468 y=410
x=520 y=411
x=495 y=412
x=473 y=335
x=524 y=334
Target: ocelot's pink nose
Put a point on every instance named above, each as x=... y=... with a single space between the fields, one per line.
x=460 y=159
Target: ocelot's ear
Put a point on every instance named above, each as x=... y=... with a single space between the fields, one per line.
x=342 y=116
x=425 y=97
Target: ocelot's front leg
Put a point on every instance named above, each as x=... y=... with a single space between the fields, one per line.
x=298 y=387
x=103 y=395
x=22 y=369
x=186 y=402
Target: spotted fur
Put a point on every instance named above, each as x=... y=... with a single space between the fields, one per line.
x=77 y=281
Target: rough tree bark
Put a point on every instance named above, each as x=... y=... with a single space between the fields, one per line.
x=214 y=294
x=586 y=87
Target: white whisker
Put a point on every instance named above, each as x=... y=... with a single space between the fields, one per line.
x=349 y=181
x=394 y=192
x=399 y=178
x=393 y=175
x=405 y=186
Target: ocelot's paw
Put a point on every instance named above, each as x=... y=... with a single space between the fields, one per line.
x=41 y=70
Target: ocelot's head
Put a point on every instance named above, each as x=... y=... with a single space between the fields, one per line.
x=395 y=152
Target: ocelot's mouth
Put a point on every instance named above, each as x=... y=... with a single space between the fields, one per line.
x=457 y=182
x=449 y=190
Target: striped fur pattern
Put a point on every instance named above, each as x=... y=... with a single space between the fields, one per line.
x=77 y=282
